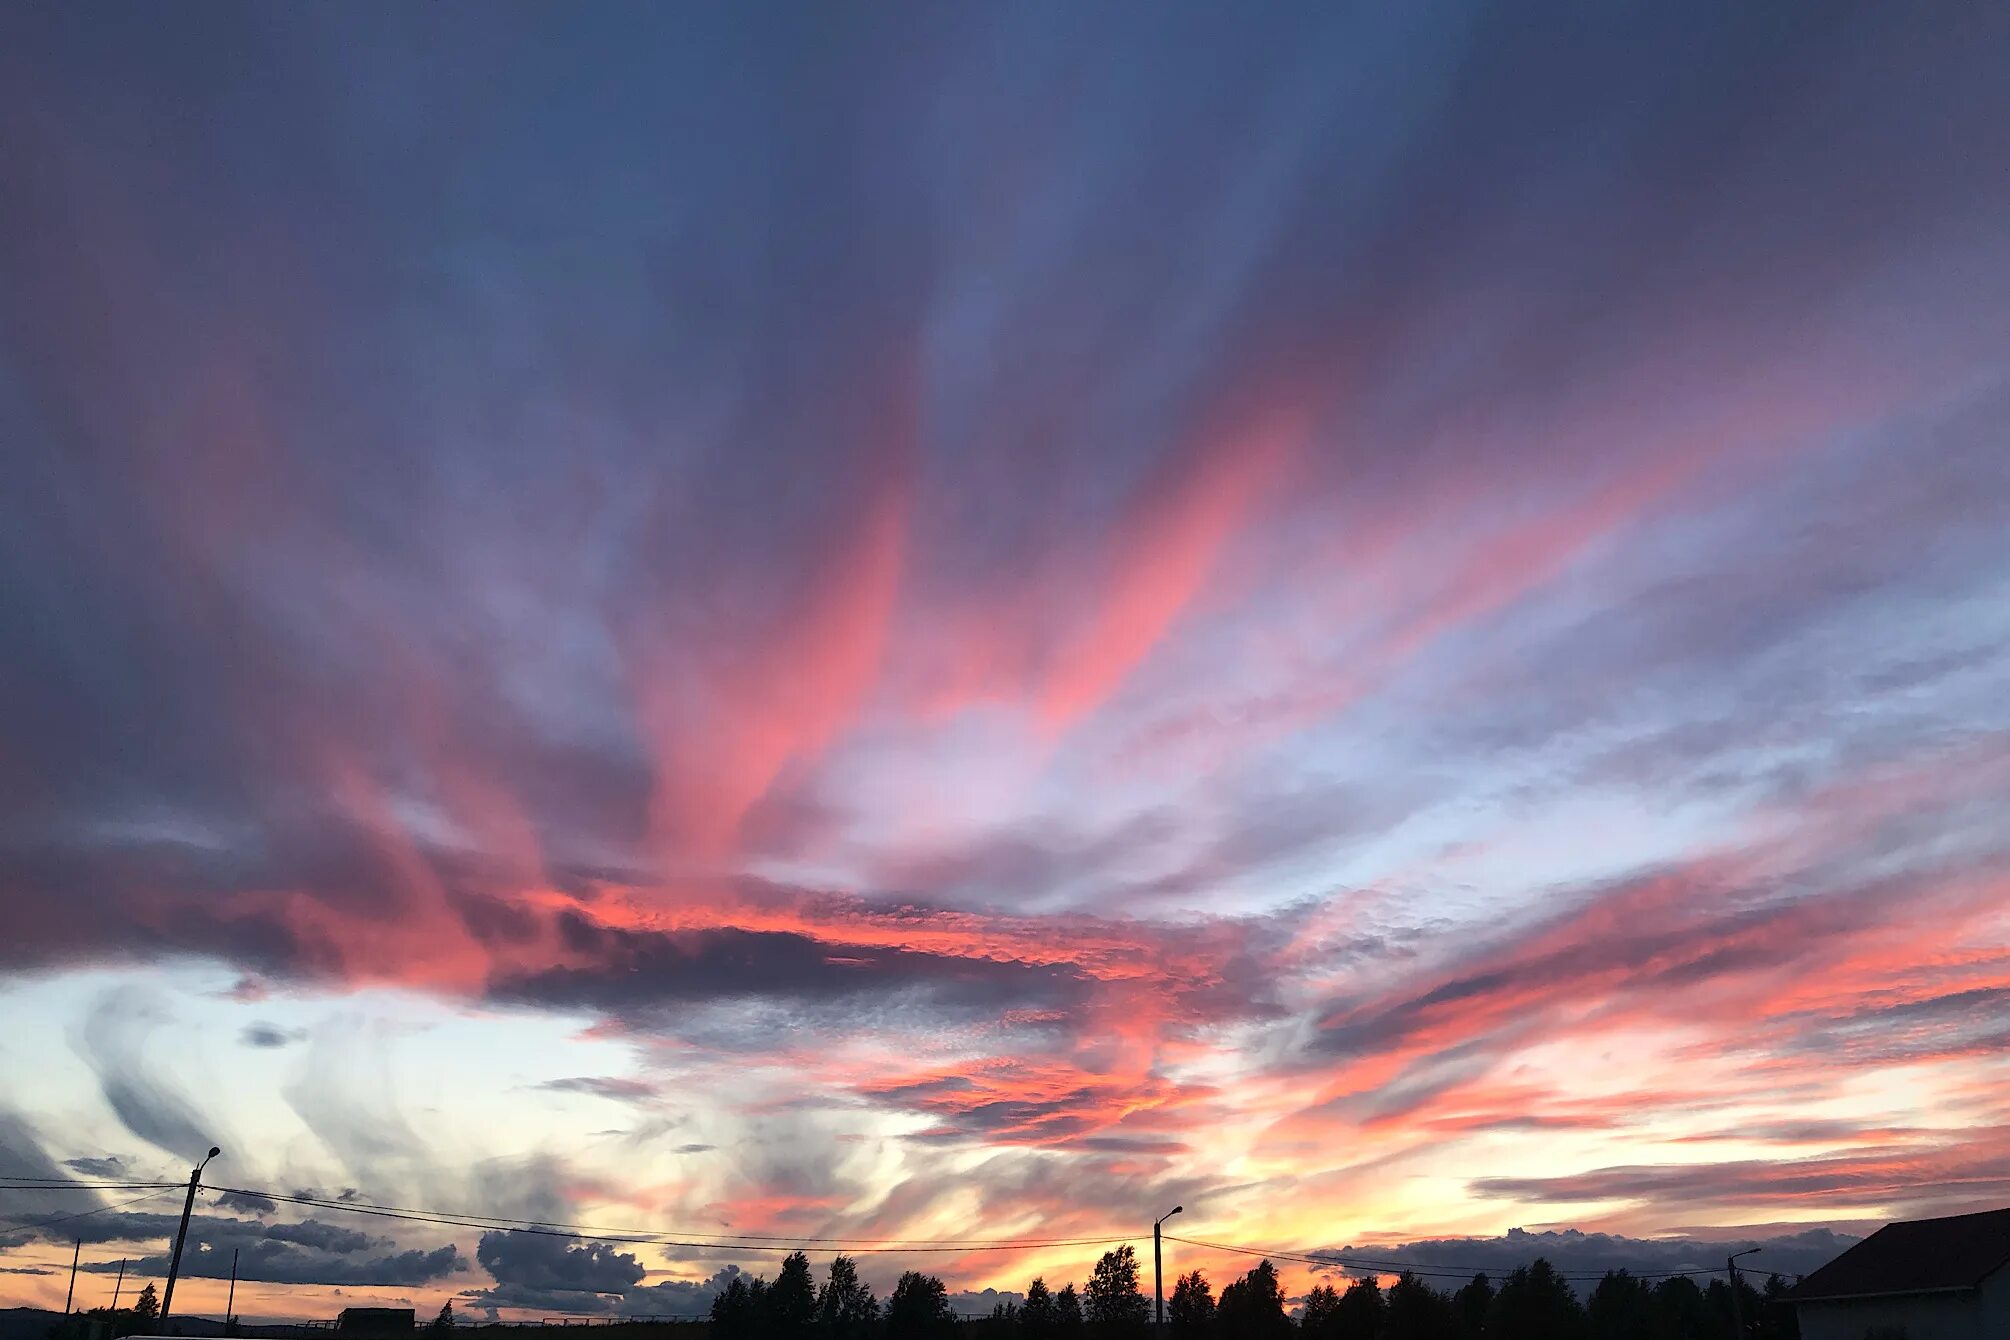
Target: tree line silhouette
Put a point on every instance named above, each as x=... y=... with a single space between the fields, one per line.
x=792 y=1307
x=138 y=1317
x=1533 y=1302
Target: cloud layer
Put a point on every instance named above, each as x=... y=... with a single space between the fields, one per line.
x=1390 y=620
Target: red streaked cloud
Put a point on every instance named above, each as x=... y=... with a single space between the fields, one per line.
x=1163 y=556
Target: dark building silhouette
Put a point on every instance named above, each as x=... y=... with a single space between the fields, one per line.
x=371 y=1321
x=1928 y=1279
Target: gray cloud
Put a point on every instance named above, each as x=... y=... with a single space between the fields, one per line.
x=323 y=1237
x=22 y=1155
x=549 y=1263
x=362 y=1124
x=308 y=1251
x=1970 y=1022
x=672 y=1298
x=116 y=1040
x=603 y=1086
x=1945 y=1177
x=640 y=970
x=1571 y=1250
x=303 y=1252
x=268 y=1260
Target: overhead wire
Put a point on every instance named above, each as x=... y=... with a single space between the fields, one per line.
x=700 y=1240
x=1435 y=1270
x=84 y=1214
x=734 y=1241
x=756 y=1237
x=689 y=1238
x=73 y=1184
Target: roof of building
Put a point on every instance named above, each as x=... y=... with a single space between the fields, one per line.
x=1918 y=1256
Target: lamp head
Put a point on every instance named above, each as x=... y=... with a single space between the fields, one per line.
x=214 y=1151
x=1175 y=1210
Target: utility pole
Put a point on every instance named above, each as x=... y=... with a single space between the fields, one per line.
x=119 y=1287
x=230 y=1304
x=70 y=1297
x=1158 y=1271
x=180 y=1237
x=1737 y=1309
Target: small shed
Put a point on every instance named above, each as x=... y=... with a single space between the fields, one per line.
x=372 y=1321
x=1927 y=1279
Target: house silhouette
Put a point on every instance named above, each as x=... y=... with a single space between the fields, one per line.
x=1932 y=1279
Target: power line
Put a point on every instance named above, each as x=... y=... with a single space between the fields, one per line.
x=1442 y=1272
x=754 y=1237
x=773 y=1242
x=1437 y=1270
x=665 y=1237
x=83 y=1214
x=697 y=1239
x=72 y=1184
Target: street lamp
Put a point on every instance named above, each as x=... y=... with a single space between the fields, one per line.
x=1158 y=1272
x=1737 y=1312
x=181 y=1236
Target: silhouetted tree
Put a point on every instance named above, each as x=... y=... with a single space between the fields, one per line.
x=1037 y=1317
x=1362 y=1310
x=1680 y=1312
x=1252 y=1308
x=789 y=1305
x=1190 y=1310
x=1621 y=1307
x=846 y=1309
x=733 y=1311
x=123 y=1322
x=147 y=1310
x=442 y=1324
x=1115 y=1307
x=1536 y=1304
x=1751 y=1305
x=1417 y=1311
x=918 y=1309
x=1321 y=1320
x=1780 y=1321
x=1472 y=1305
x=1068 y=1313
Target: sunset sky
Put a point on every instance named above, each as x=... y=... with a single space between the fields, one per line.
x=1390 y=622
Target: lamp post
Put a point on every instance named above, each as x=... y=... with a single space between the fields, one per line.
x=1737 y=1312
x=1158 y=1271
x=181 y=1236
